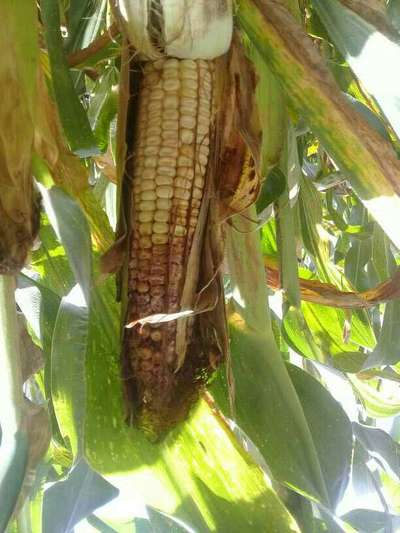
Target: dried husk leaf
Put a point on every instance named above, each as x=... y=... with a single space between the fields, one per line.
x=241 y=136
x=19 y=203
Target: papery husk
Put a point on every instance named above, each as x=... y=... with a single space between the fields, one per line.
x=191 y=29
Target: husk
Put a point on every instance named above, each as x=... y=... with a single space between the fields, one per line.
x=190 y=29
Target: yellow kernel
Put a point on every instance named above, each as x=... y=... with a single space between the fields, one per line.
x=203 y=159
x=148 y=195
x=180 y=231
x=184 y=161
x=164 y=204
x=170 y=63
x=147 y=205
x=151 y=150
x=167 y=162
x=168 y=151
x=188 y=150
x=202 y=129
x=185 y=172
x=170 y=138
x=188 y=110
x=170 y=114
x=156 y=94
x=166 y=171
x=147 y=185
x=145 y=228
x=154 y=107
x=150 y=162
x=149 y=173
x=153 y=140
x=161 y=216
x=171 y=84
x=187 y=136
x=187 y=121
x=171 y=101
x=152 y=77
x=160 y=227
x=145 y=216
x=154 y=131
x=170 y=125
x=164 y=180
x=165 y=192
x=159 y=239
x=197 y=193
x=187 y=92
x=183 y=183
x=181 y=194
x=189 y=84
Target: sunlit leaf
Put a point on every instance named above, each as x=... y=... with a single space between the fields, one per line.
x=363 y=45
x=367 y=159
x=380 y=444
x=73 y=117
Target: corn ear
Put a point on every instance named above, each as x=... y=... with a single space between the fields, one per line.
x=171 y=285
x=19 y=213
x=170 y=351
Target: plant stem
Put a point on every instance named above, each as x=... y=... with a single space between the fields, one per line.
x=11 y=404
x=14 y=442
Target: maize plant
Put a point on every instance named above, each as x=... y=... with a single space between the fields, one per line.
x=235 y=164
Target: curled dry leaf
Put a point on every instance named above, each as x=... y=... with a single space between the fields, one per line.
x=320 y=293
x=241 y=136
x=19 y=201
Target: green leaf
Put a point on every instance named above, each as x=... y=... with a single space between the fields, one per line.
x=73 y=117
x=72 y=231
x=364 y=46
x=68 y=502
x=285 y=232
x=327 y=326
x=14 y=457
x=103 y=107
x=379 y=443
x=68 y=353
x=278 y=426
x=374 y=120
x=369 y=521
x=69 y=338
x=330 y=428
x=368 y=160
x=272 y=188
x=376 y=403
x=197 y=474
